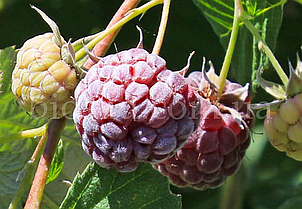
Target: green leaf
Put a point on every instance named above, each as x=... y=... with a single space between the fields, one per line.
x=220 y=15
x=11 y=165
x=12 y=118
x=75 y=160
x=13 y=155
x=57 y=163
x=143 y=188
x=7 y=63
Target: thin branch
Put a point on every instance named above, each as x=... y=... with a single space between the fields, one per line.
x=102 y=47
x=54 y=131
x=129 y=16
x=162 y=28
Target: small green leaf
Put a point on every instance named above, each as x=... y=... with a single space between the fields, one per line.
x=258 y=57
x=220 y=15
x=143 y=188
x=57 y=163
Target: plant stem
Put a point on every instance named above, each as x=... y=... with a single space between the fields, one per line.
x=129 y=16
x=232 y=193
x=30 y=168
x=229 y=54
x=23 y=134
x=49 y=203
x=54 y=131
x=101 y=47
x=266 y=50
x=162 y=27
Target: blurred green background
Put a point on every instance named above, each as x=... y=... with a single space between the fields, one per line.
x=270 y=179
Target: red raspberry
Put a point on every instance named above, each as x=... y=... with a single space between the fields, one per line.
x=130 y=108
x=216 y=149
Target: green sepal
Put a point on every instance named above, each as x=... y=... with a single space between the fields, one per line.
x=68 y=53
x=68 y=56
x=274 y=89
x=294 y=85
x=299 y=66
x=52 y=25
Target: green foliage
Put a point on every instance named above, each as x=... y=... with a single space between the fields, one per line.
x=75 y=160
x=13 y=155
x=7 y=59
x=220 y=15
x=101 y=188
x=57 y=163
x=12 y=117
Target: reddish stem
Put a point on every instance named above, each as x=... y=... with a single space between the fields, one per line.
x=101 y=48
x=54 y=131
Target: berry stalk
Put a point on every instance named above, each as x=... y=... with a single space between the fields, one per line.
x=129 y=16
x=54 y=131
x=102 y=47
x=32 y=133
x=162 y=27
x=30 y=168
x=229 y=54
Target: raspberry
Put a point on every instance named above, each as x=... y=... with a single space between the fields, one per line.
x=216 y=149
x=130 y=108
x=283 y=122
x=42 y=82
x=284 y=127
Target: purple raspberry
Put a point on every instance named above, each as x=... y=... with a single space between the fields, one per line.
x=130 y=108
x=216 y=148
